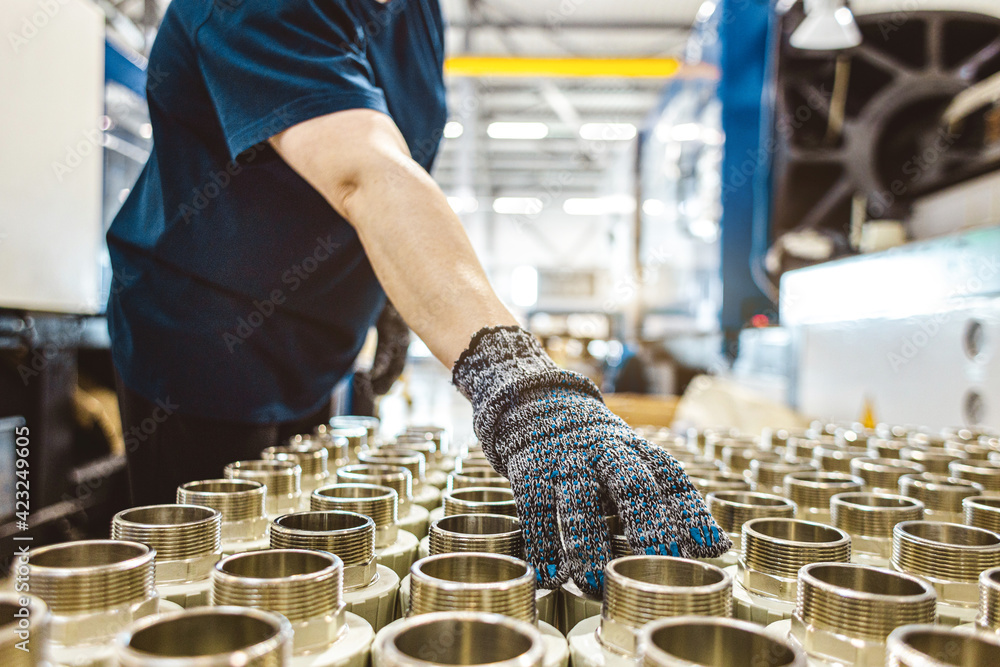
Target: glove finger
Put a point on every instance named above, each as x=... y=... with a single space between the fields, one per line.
x=641 y=511
x=534 y=493
x=698 y=535
x=584 y=533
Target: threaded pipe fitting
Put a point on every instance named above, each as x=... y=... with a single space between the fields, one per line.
x=403 y=458
x=982 y=512
x=811 y=492
x=882 y=475
x=714 y=642
x=805 y=448
x=187 y=538
x=348 y=535
x=986 y=473
x=487 y=533
x=640 y=589
x=844 y=613
x=22 y=613
x=933 y=460
x=370 y=424
x=738 y=459
x=473 y=582
x=937 y=646
x=479 y=500
x=436 y=434
x=283 y=480
x=775 y=549
x=398 y=479
x=241 y=502
x=731 y=509
x=837 y=459
x=949 y=555
x=869 y=519
x=417 y=443
x=711 y=481
x=337 y=447
x=303 y=586
x=376 y=502
x=769 y=476
x=477 y=477
x=91 y=575
x=885 y=448
x=941 y=495
x=312 y=459
x=459 y=638
x=989 y=600
x=973 y=451
x=208 y=637
x=715 y=444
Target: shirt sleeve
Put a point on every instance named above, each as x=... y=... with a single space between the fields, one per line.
x=271 y=64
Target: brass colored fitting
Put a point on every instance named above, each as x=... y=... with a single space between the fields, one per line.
x=941 y=495
x=986 y=473
x=714 y=642
x=882 y=475
x=731 y=509
x=811 y=492
x=982 y=512
x=937 y=646
x=869 y=519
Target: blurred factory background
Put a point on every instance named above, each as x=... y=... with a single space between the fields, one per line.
x=805 y=206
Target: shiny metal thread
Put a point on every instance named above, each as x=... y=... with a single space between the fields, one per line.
x=837 y=459
x=714 y=642
x=805 y=448
x=989 y=600
x=488 y=533
x=370 y=424
x=731 y=509
x=639 y=589
x=355 y=433
x=479 y=500
x=403 y=458
x=782 y=546
x=478 y=477
x=883 y=474
x=473 y=582
x=337 y=447
x=862 y=602
x=21 y=613
x=91 y=575
x=377 y=502
x=349 y=535
x=282 y=478
x=982 y=512
x=398 y=479
x=738 y=459
x=933 y=460
x=459 y=638
x=709 y=482
x=312 y=459
x=873 y=514
x=207 y=637
x=884 y=448
x=714 y=445
x=176 y=532
x=944 y=551
x=939 y=646
x=619 y=543
x=813 y=490
x=296 y=583
x=939 y=493
x=769 y=476
x=235 y=499
x=986 y=473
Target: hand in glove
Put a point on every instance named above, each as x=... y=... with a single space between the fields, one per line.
x=393 y=339
x=548 y=431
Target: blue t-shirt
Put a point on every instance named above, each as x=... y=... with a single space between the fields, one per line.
x=238 y=292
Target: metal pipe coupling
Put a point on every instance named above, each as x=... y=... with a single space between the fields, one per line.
x=887 y=448
x=989 y=600
x=283 y=480
x=337 y=446
x=982 y=512
x=941 y=495
x=93 y=588
x=348 y=535
x=844 y=613
x=477 y=477
x=354 y=438
x=487 y=533
x=811 y=492
x=732 y=509
x=714 y=642
x=312 y=458
x=24 y=630
x=837 y=459
x=473 y=582
x=986 y=473
x=711 y=481
x=376 y=502
x=715 y=443
x=208 y=637
x=869 y=519
x=473 y=461
x=937 y=646
x=241 y=502
x=738 y=459
x=370 y=424
x=187 y=540
x=775 y=549
x=933 y=460
x=436 y=434
x=616 y=533
x=640 y=589
x=479 y=500
x=950 y=556
x=412 y=460
x=459 y=638
x=882 y=475
x=769 y=476
x=805 y=448
x=398 y=479
x=303 y=586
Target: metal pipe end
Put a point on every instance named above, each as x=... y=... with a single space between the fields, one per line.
x=989 y=600
x=459 y=638
x=391 y=456
x=348 y=535
x=710 y=481
x=282 y=478
x=812 y=491
x=933 y=460
x=769 y=476
x=775 y=549
x=487 y=533
x=236 y=499
x=939 y=646
x=837 y=459
x=986 y=473
x=949 y=555
x=313 y=457
x=714 y=642
x=377 y=502
x=479 y=500
x=177 y=532
x=731 y=509
x=477 y=477
x=940 y=494
x=473 y=582
x=881 y=474
x=982 y=512
x=739 y=459
x=870 y=517
x=207 y=637
x=398 y=479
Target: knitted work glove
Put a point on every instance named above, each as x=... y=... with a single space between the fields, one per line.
x=548 y=431
x=393 y=339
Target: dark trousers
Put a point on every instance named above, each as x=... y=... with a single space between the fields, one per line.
x=165 y=449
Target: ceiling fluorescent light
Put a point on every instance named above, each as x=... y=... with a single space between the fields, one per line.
x=466 y=204
x=517 y=130
x=607 y=131
x=517 y=205
x=453 y=129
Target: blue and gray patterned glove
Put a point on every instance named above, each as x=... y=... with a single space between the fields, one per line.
x=548 y=431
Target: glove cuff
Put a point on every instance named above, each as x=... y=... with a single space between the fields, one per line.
x=497 y=370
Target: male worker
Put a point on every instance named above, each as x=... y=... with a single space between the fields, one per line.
x=286 y=195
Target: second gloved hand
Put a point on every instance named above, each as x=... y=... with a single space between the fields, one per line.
x=548 y=431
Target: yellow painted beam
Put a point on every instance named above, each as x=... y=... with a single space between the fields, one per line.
x=520 y=67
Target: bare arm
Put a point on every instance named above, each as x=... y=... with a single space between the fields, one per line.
x=417 y=246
